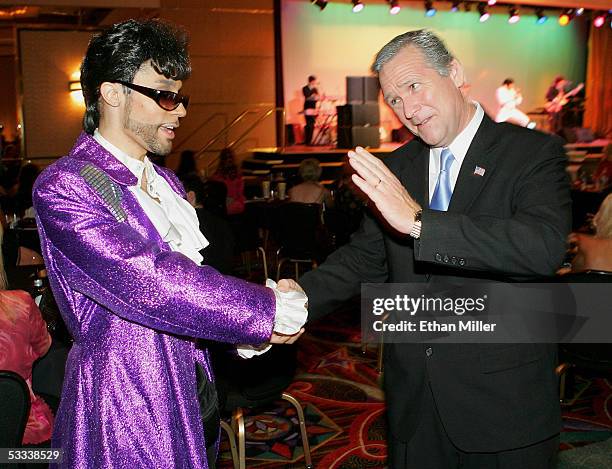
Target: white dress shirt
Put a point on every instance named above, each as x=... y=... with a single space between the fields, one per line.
x=459 y=148
x=177 y=223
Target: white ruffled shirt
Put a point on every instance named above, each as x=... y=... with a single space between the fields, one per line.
x=177 y=223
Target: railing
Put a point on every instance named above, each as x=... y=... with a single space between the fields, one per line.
x=224 y=131
x=242 y=136
x=197 y=129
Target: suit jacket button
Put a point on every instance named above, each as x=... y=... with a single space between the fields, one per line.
x=462 y=261
x=454 y=260
x=438 y=257
x=429 y=351
x=446 y=259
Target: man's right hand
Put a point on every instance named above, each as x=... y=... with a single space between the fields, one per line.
x=288 y=284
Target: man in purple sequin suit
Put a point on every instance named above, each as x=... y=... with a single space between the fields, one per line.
x=134 y=305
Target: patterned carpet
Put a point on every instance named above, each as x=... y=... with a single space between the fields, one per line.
x=338 y=386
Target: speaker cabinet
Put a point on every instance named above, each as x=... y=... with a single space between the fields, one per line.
x=361 y=90
x=371 y=87
x=365 y=136
x=351 y=115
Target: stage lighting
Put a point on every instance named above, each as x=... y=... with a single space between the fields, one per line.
x=429 y=8
x=513 y=15
x=320 y=3
x=579 y=11
x=542 y=18
x=565 y=18
x=394 y=7
x=455 y=7
x=491 y=2
x=599 y=20
x=484 y=14
x=357 y=6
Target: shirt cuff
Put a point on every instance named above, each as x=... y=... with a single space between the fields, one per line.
x=291 y=312
x=249 y=351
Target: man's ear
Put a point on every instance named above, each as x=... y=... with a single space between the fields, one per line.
x=457 y=74
x=191 y=198
x=110 y=93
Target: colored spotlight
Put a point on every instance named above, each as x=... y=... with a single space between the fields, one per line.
x=599 y=20
x=579 y=11
x=357 y=6
x=513 y=15
x=484 y=14
x=394 y=7
x=564 y=19
x=429 y=8
x=491 y=2
x=542 y=18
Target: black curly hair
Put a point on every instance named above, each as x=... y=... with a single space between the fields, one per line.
x=118 y=53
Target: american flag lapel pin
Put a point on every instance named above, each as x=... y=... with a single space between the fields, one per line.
x=478 y=171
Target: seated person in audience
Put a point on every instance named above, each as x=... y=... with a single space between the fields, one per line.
x=595 y=252
x=603 y=173
x=229 y=174
x=23 y=190
x=24 y=339
x=310 y=190
x=187 y=165
x=220 y=252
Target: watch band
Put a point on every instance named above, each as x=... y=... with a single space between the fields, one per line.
x=416 y=226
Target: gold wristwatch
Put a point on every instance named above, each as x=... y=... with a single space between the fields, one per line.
x=416 y=226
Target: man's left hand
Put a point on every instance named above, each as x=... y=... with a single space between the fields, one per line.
x=278 y=338
x=384 y=189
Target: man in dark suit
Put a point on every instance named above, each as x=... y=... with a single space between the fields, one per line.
x=311 y=96
x=467 y=199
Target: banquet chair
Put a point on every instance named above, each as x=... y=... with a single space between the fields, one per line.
x=14 y=409
x=296 y=228
x=593 y=359
x=254 y=384
x=28 y=257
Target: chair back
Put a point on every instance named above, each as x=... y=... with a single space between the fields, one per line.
x=256 y=381
x=14 y=409
x=296 y=229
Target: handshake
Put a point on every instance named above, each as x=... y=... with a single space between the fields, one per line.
x=291 y=315
x=293 y=311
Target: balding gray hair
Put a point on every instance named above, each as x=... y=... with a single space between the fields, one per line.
x=430 y=45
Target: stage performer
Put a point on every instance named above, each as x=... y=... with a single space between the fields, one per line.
x=311 y=97
x=121 y=245
x=508 y=98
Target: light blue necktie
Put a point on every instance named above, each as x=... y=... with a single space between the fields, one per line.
x=443 y=191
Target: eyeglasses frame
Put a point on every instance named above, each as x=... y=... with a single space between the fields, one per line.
x=156 y=94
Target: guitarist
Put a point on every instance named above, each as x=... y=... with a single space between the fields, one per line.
x=556 y=99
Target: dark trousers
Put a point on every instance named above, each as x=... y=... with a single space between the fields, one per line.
x=309 y=129
x=430 y=448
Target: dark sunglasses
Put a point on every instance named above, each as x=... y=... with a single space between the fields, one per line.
x=167 y=100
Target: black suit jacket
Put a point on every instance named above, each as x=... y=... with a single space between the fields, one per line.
x=510 y=223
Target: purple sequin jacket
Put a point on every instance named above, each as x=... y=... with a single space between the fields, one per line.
x=134 y=308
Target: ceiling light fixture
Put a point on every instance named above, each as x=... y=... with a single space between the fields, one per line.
x=429 y=8
x=484 y=14
x=394 y=7
x=565 y=17
x=357 y=6
x=513 y=15
x=541 y=17
x=320 y=3
x=599 y=20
